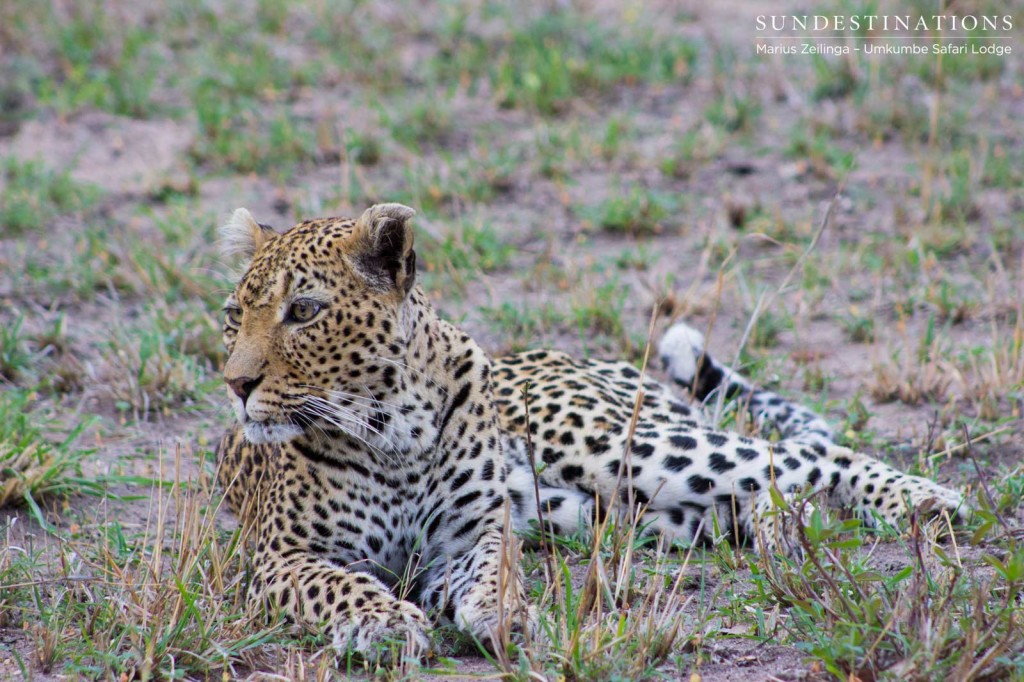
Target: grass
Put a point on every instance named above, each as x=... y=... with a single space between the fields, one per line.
x=915 y=376
x=734 y=113
x=819 y=151
x=89 y=267
x=149 y=370
x=834 y=79
x=858 y=326
x=766 y=332
x=32 y=196
x=1001 y=169
x=637 y=212
x=522 y=325
x=978 y=377
x=116 y=78
x=470 y=250
x=692 y=150
x=598 y=311
x=85 y=59
x=418 y=122
x=929 y=618
x=15 y=357
x=556 y=150
x=363 y=148
x=956 y=203
x=33 y=467
x=475 y=247
x=611 y=628
x=183 y=270
x=548 y=61
x=247 y=138
x=164 y=601
x=995 y=372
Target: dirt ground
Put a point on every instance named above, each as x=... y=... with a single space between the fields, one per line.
x=902 y=321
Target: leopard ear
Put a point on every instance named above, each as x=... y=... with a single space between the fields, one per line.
x=383 y=252
x=241 y=236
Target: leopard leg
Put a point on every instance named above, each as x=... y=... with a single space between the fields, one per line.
x=692 y=482
x=358 y=613
x=755 y=518
x=472 y=574
x=873 y=490
x=480 y=590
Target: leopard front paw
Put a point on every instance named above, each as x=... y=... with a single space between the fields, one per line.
x=376 y=632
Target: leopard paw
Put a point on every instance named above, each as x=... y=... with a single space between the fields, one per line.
x=931 y=499
x=374 y=634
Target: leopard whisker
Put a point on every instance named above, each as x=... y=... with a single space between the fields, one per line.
x=333 y=414
x=353 y=398
x=378 y=455
x=305 y=421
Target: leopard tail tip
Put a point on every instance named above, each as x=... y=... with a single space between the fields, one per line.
x=680 y=349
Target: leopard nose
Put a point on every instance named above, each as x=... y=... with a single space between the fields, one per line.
x=244 y=386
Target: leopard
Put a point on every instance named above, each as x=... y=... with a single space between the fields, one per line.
x=381 y=456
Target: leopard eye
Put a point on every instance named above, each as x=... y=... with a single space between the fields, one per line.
x=233 y=316
x=303 y=311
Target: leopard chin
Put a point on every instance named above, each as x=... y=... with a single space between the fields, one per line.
x=259 y=433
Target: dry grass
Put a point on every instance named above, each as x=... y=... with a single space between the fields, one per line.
x=157 y=602
x=620 y=619
x=912 y=382
x=996 y=375
x=988 y=378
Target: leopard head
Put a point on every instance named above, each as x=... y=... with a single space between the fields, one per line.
x=313 y=328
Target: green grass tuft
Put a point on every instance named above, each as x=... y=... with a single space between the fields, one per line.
x=639 y=212
x=32 y=196
x=33 y=467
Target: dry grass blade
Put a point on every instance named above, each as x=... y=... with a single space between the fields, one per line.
x=22 y=468
x=620 y=618
x=155 y=604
